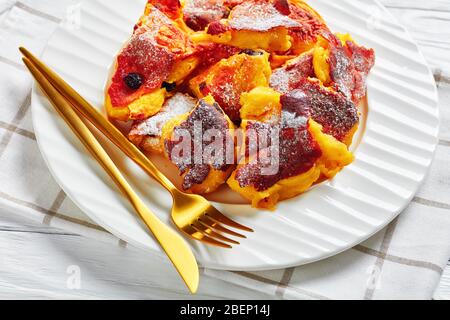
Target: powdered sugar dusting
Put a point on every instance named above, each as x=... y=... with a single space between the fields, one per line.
x=259 y=16
x=342 y=71
x=155 y=19
x=296 y=150
x=364 y=60
x=144 y=52
x=230 y=96
x=142 y=55
x=292 y=120
x=199 y=13
x=177 y=105
x=332 y=110
x=287 y=78
x=280 y=80
x=196 y=167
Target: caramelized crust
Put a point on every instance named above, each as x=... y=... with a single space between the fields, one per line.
x=171 y=8
x=282 y=169
x=147 y=134
x=156 y=48
x=204 y=173
x=304 y=149
x=198 y=14
x=346 y=65
x=144 y=56
x=211 y=53
x=311 y=26
x=342 y=69
x=297 y=151
x=272 y=25
x=292 y=74
x=330 y=109
x=363 y=60
x=229 y=78
x=255 y=24
x=272 y=67
x=259 y=16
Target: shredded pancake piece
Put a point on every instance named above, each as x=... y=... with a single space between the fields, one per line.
x=291 y=75
x=198 y=14
x=151 y=52
x=259 y=16
x=147 y=133
x=228 y=79
x=297 y=152
x=196 y=167
x=332 y=110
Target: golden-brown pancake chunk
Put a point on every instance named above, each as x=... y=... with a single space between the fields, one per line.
x=155 y=54
x=229 y=78
x=289 y=76
x=171 y=8
x=198 y=14
x=201 y=145
x=311 y=26
x=193 y=69
x=337 y=115
x=254 y=24
x=282 y=159
x=343 y=65
x=147 y=134
x=281 y=167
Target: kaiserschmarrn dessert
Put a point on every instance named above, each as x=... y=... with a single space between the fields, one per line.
x=258 y=95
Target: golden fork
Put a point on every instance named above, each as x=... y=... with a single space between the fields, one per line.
x=192 y=214
x=172 y=243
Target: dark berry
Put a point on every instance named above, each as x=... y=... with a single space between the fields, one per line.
x=133 y=81
x=251 y=52
x=169 y=86
x=204 y=88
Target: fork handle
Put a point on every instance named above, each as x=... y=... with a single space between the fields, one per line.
x=100 y=122
x=175 y=247
x=114 y=135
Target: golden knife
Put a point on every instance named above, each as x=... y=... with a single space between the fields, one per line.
x=172 y=243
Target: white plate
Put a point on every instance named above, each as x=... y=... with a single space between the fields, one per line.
x=392 y=159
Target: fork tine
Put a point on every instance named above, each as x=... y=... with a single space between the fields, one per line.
x=209 y=232
x=210 y=223
x=219 y=217
x=197 y=235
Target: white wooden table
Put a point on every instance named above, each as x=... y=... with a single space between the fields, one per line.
x=429 y=24
x=41 y=262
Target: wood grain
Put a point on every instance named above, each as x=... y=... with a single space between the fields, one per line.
x=37 y=263
x=429 y=24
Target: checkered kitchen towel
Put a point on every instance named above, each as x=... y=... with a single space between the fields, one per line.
x=405 y=260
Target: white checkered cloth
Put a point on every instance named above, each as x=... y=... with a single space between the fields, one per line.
x=403 y=261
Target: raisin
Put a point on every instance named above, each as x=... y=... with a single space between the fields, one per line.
x=133 y=81
x=169 y=86
x=251 y=52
